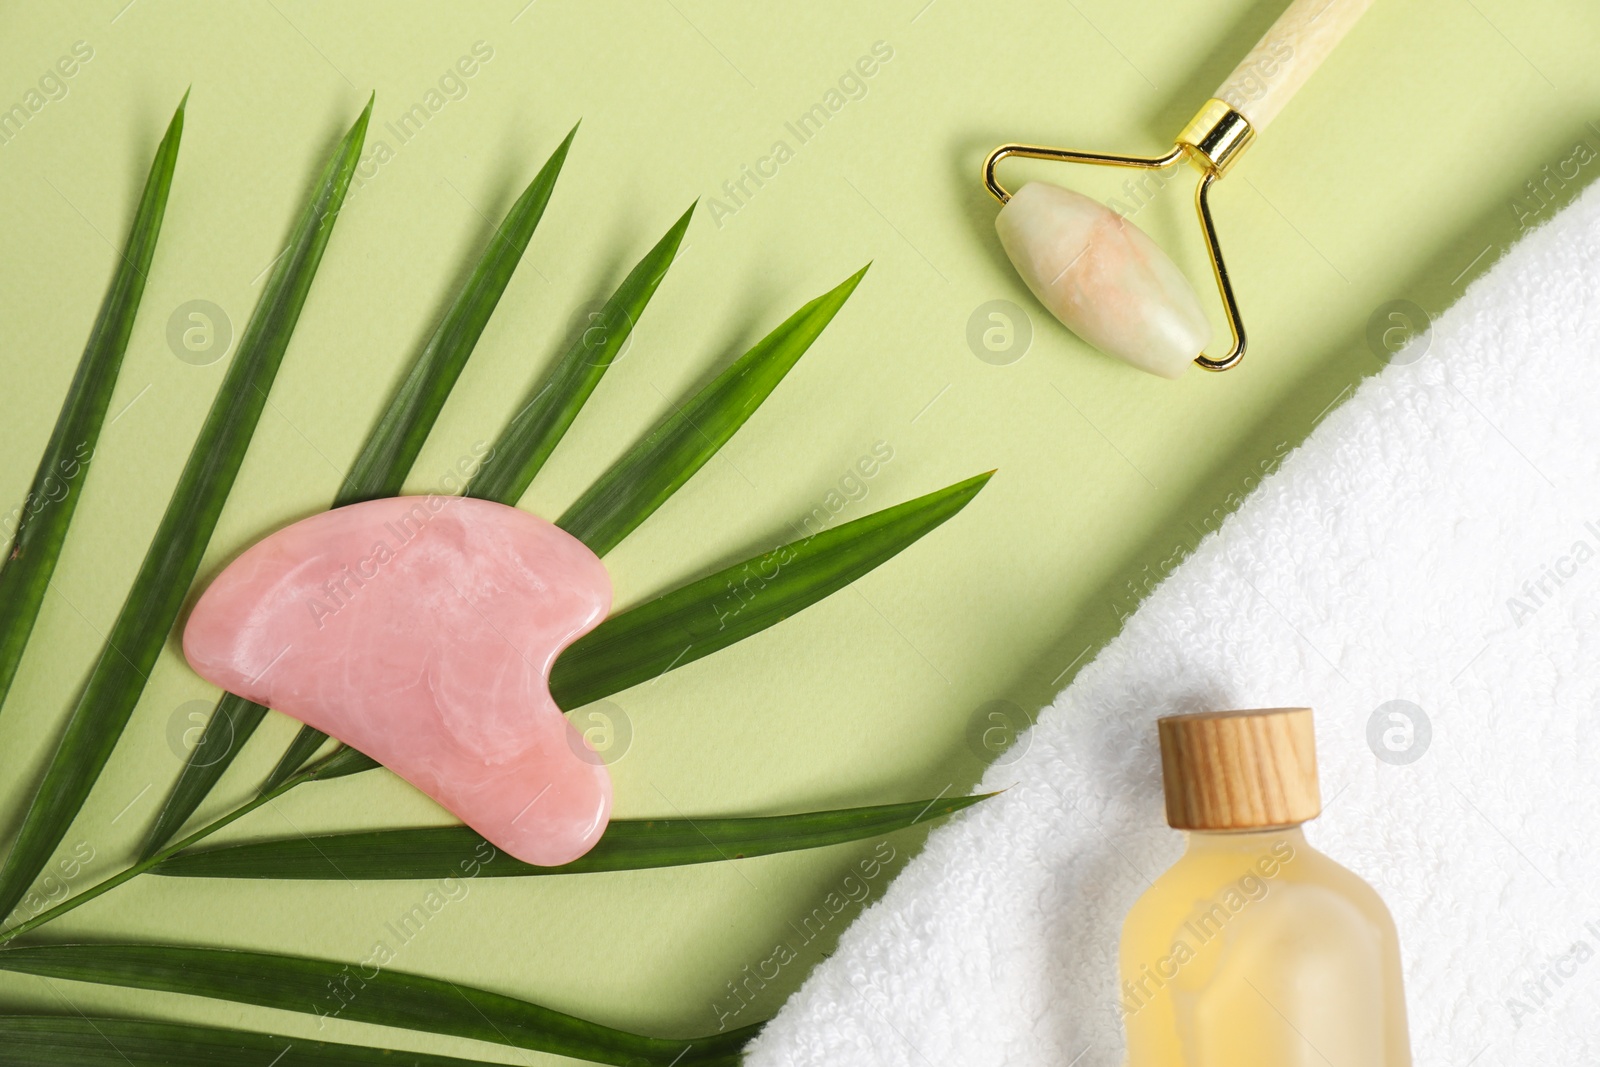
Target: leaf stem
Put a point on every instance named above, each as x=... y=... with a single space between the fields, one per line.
x=310 y=774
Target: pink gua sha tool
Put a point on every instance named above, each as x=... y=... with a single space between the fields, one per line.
x=1102 y=276
x=421 y=631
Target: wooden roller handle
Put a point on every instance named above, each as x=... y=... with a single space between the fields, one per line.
x=1286 y=56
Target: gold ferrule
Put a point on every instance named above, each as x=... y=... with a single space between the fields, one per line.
x=1216 y=136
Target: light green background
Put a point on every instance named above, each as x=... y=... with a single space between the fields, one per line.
x=1397 y=173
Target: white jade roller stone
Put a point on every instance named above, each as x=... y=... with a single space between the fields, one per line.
x=1104 y=278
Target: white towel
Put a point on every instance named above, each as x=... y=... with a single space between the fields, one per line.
x=1436 y=540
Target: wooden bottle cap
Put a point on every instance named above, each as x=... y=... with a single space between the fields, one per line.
x=1240 y=770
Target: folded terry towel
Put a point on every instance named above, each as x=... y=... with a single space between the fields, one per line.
x=1436 y=541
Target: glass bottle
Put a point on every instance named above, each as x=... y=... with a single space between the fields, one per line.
x=1254 y=949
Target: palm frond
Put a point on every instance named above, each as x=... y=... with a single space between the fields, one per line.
x=533 y=433
x=158 y=590
x=100 y=1041
x=307 y=741
x=395 y=442
x=654 y=469
x=379 y=470
x=367 y=992
x=708 y=615
x=231 y=724
x=678 y=627
x=340 y=762
x=47 y=510
x=628 y=845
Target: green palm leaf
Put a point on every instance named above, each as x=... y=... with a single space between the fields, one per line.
x=232 y=722
x=307 y=740
x=84 y=1041
x=534 y=432
x=707 y=616
x=46 y=511
x=628 y=845
x=678 y=627
x=703 y=617
x=641 y=481
x=367 y=992
x=158 y=591
x=392 y=448
x=380 y=470
x=343 y=761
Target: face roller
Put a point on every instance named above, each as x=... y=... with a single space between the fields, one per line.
x=1102 y=276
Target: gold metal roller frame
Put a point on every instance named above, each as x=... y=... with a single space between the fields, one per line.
x=1212 y=141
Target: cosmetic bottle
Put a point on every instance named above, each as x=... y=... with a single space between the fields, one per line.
x=1254 y=949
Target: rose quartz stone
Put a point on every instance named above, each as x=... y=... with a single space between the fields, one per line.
x=421 y=631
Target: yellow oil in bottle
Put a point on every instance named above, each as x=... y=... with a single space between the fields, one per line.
x=1254 y=949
